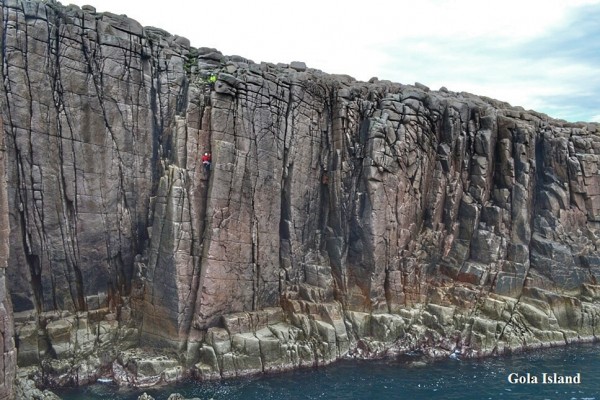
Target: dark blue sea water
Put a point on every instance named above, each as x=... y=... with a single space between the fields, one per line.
x=395 y=379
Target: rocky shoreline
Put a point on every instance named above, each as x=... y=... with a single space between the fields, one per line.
x=144 y=368
x=26 y=387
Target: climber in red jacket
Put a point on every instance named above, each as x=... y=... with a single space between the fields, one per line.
x=206 y=160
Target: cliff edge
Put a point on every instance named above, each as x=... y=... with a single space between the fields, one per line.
x=339 y=218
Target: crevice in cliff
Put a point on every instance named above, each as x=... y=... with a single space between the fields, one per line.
x=333 y=208
x=21 y=192
x=285 y=218
x=254 y=230
x=157 y=128
x=120 y=282
x=360 y=257
x=539 y=177
x=197 y=236
x=255 y=265
x=201 y=238
x=182 y=98
x=285 y=246
x=69 y=202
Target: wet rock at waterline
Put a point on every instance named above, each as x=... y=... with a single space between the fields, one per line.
x=339 y=218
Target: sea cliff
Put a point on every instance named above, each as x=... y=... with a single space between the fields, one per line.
x=339 y=219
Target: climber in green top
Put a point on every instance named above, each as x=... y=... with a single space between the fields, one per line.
x=212 y=78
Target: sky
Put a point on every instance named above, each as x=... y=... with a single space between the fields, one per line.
x=539 y=54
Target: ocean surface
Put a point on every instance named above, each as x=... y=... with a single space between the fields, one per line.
x=398 y=379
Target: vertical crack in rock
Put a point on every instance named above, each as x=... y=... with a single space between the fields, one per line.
x=333 y=201
x=285 y=218
x=67 y=187
x=7 y=347
x=32 y=260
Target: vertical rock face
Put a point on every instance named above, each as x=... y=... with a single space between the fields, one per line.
x=8 y=359
x=339 y=217
x=86 y=99
x=90 y=103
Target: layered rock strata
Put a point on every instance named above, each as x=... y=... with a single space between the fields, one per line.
x=339 y=217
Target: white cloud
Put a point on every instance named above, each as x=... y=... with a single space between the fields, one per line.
x=462 y=44
x=269 y=27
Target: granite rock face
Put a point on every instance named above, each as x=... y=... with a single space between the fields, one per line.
x=8 y=356
x=339 y=218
